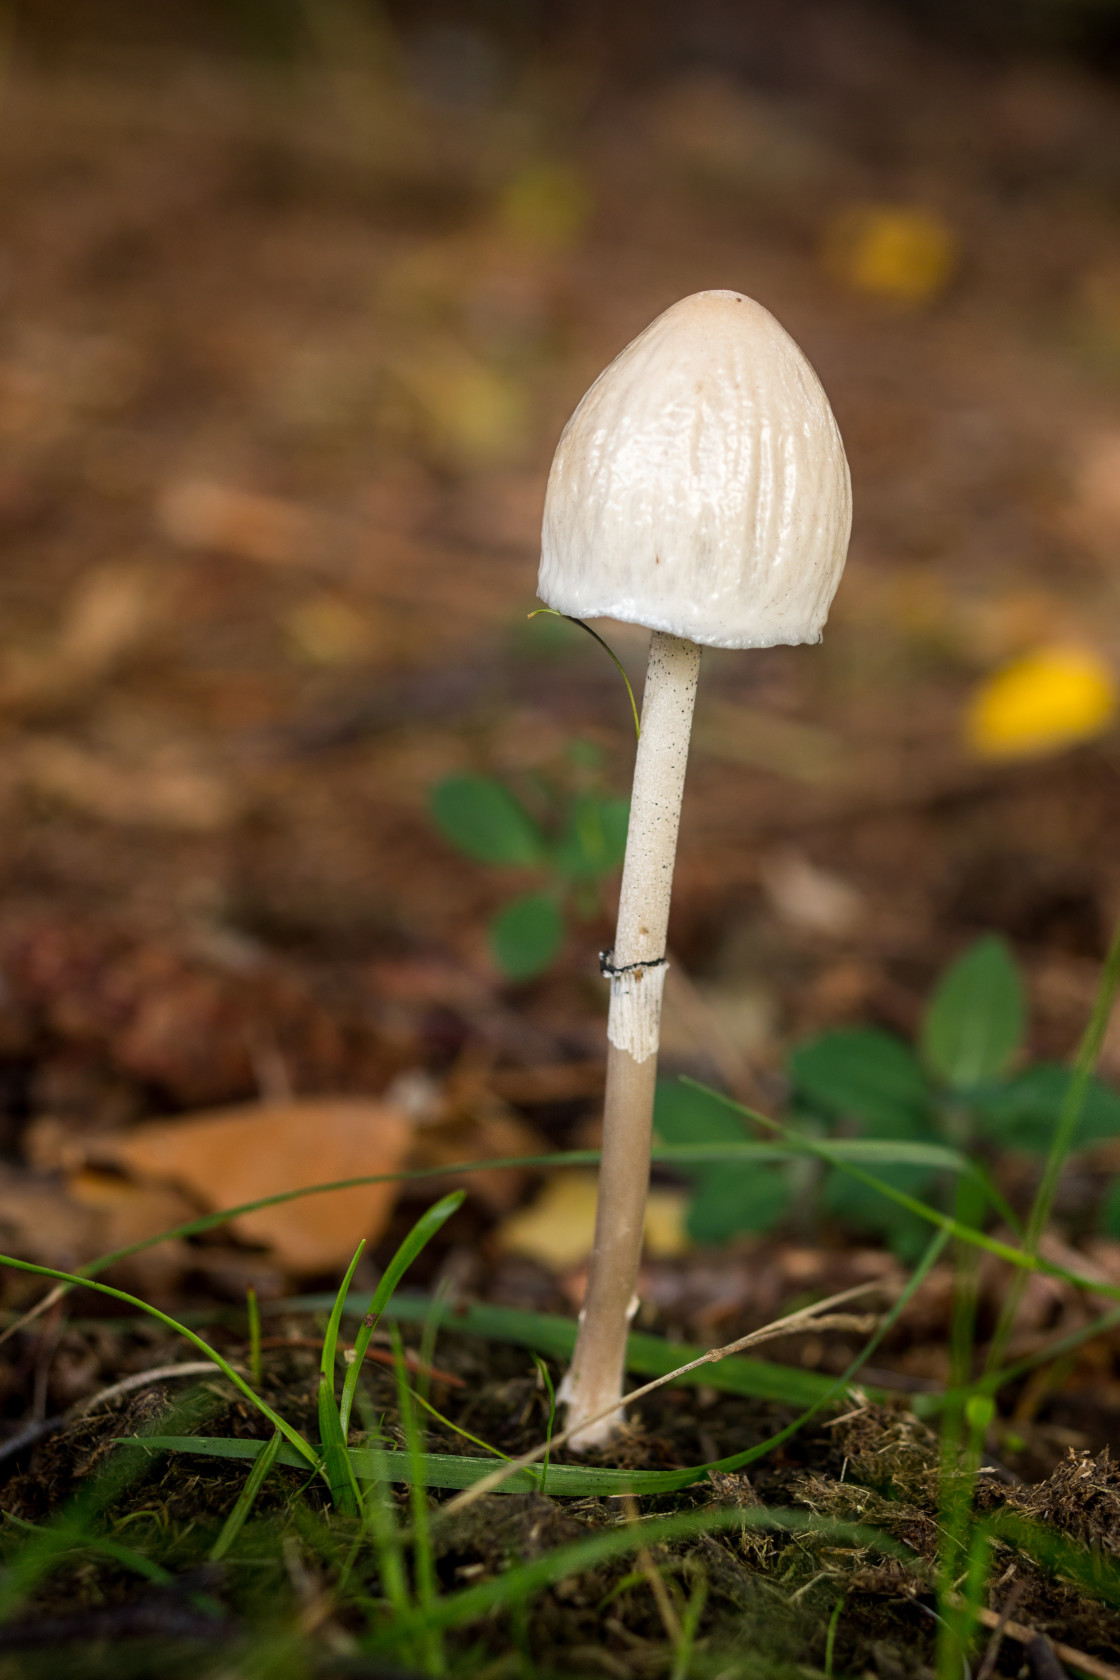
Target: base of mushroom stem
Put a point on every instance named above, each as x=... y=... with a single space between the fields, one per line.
x=598 y=1433
x=583 y=1400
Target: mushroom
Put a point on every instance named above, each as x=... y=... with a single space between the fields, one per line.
x=699 y=488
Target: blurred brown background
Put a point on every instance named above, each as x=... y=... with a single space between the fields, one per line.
x=295 y=296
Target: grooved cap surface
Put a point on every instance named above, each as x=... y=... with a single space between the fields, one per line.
x=701 y=486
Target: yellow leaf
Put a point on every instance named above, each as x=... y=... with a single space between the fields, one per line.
x=546 y=205
x=1042 y=702
x=892 y=251
x=557 y=1228
x=470 y=414
x=1100 y=306
x=327 y=630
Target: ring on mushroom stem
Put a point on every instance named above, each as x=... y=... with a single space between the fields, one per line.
x=700 y=488
x=608 y=968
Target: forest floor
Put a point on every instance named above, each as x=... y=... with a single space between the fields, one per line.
x=285 y=353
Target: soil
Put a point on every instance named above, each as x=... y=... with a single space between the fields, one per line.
x=290 y=328
x=768 y=1594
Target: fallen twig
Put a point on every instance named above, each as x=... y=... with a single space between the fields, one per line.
x=987 y=1667
x=1080 y=1660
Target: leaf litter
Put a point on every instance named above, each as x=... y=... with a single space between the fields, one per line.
x=228 y=693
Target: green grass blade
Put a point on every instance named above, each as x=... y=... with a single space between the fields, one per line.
x=329 y=1353
x=445 y=1290
x=307 y=1453
x=926 y=1405
x=332 y=1430
x=1087 y=1057
x=567 y=1480
x=439 y=1470
x=647 y=1356
x=35 y=1559
x=253 y=1306
x=738 y=1461
x=883 y=1150
x=456 y=1428
x=552 y=613
x=69 y=1533
x=830 y=1638
x=1064 y=1133
x=382 y=1516
x=542 y=1373
x=51 y=1543
x=145 y=1567
x=1090 y=1567
x=690 y=1622
x=255 y=1480
x=336 y=1460
x=1016 y=1257
x=423 y=1560
x=524 y=1580
x=420 y=1235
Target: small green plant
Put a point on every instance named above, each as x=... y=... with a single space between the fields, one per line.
x=962 y=1084
x=374 y=1557
x=567 y=832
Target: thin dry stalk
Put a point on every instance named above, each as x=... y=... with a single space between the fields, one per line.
x=32 y=1313
x=670 y=1621
x=141 y=1379
x=816 y=1317
x=1010 y=1604
x=1067 y=1654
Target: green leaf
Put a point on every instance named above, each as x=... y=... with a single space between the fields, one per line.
x=526 y=936
x=683 y=1115
x=728 y=1198
x=862 y=1208
x=485 y=821
x=594 y=839
x=866 y=1075
x=1023 y=1113
x=975 y=1020
x=737 y=1199
x=615 y=814
x=588 y=755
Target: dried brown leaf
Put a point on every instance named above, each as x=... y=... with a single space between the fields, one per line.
x=236 y=1155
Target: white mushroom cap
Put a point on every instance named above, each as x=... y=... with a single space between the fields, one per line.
x=701 y=486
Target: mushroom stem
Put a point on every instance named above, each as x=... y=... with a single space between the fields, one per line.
x=636 y=968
